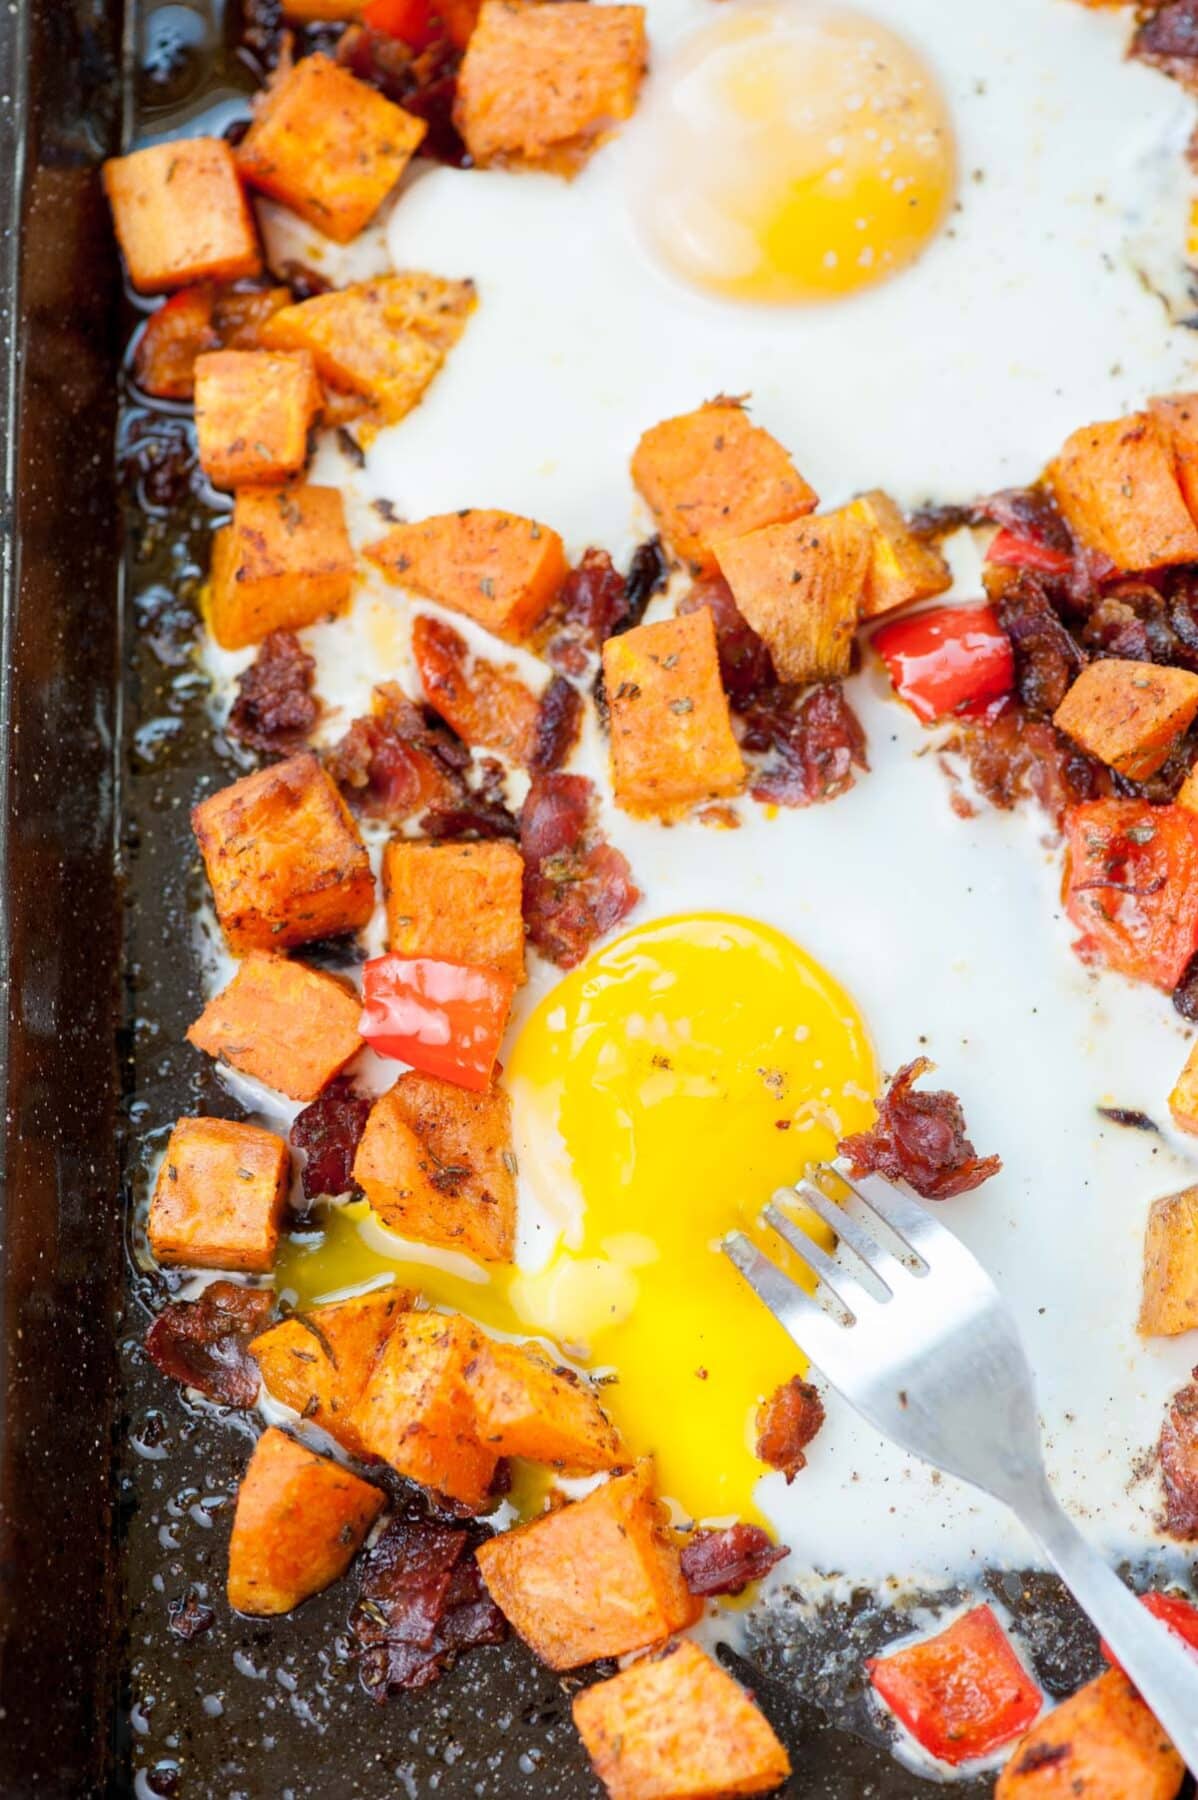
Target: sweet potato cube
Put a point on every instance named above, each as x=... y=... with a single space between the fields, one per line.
x=1176 y=416
x=801 y=587
x=901 y=569
x=526 y=1407
x=328 y=146
x=415 y=1411
x=436 y=1164
x=546 y=85
x=1170 y=1299
x=319 y=1362
x=219 y=1198
x=713 y=474
x=299 y=1522
x=456 y=902
x=599 y=1577
x=254 y=410
x=283 y=562
x=286 y=1025
x=496 y=568
x=1117 y=486
x=1103 y=1744
x=181 y=216
x=671 y=730
x=321 y=12
x=1183 y=1101
x=675 y=1726
x=284 y=857
x=1128 y=714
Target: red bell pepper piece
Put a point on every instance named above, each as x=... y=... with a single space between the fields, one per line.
x=1130 y=885
x=423 y=22
x=962 y=1693
x=442 y=1017
x=1015 y=552
x=1180 y=1615
x=173 y=336
x=950 y=661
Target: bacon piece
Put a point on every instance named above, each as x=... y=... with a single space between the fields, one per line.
x=327 y=1132
x=1179 y=1463
x=811 y=740
x=920 y=1139
x=1031 y=514
x=1168 y=39
x=746 y=667
x=1047 y=658
x=425 y=85
x=276 y=707
x=1014 y=757
x=559 y=721
x=188 y=1616
x=725 y=1562
x=596 y=601
x=395 y=761
x=204 y=1343
x=576 y=886
x=488 y=704
x=786 y=1424
x=480 y=810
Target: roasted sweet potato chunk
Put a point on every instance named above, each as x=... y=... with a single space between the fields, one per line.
x=300 y=1519
x=526 y=1407
x=497 y=568
x=283 y=562
x=254 y=410
x=456 y=902
x=287 y=1025
x=415 y=1411
x=801 y=587
x=1128 y=714
x=1117 y=486
x=902 y=568
x=675 y=1727
x=284 y=857
x=1170 y=1300
x=328 y=146
x=219 y=1197
x=319 y=1362
x=671 y=730
x=1177 y=417
x=1183 y=1101
x=180 y=215
x=599 y=1577
x=1104 y=1744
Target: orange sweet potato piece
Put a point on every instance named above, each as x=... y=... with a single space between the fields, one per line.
x=287 y=1025
x=488 y=704
x=712 y=474
x=801 y=587
x=1116 y=484
x=415 y=1411
x=328 y=146
x=1128 y=714
x=181 y=216
x=1176 y=416
x=671 y=730
x=319 y=1362
x=526 y=1407
x=497 y=568
x=599 y=1577
x=1183 y=1101
x=456 y=902
x=254 y=410
x=902 y=569
x=1170 y=1297
x=284 y=857
x=436 y=1164
x=542 y=85
x=284 y=561
x=1103 y=1744
x=675 y=1726
x=300 y=1521
x=320 y=12
x=219 y=1198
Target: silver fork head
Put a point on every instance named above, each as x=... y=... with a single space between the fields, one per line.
x=905 y=1323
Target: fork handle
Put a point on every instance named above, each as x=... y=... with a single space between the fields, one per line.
x=1155 y=1659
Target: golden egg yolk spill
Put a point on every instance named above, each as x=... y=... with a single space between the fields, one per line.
x=794 y=152
x=660 y=1094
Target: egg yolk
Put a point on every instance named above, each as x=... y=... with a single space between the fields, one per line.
x=794 y=153
x=660 y=1094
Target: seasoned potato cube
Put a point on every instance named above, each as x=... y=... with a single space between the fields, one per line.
x=254 y=410
x=1170 y=1300
x=801 y=587
x=288 y=1026
x=1128 y=714
x=1183 y=1101
x=435 y=1162
x=1103 y=1744
x=415 y=1411
x=328 y=146
x=671 y=731
x=713 y=474
x=283 y=562
x=319 y=12
x=299 y=1522
x=901 y=568
x=319 y=1362
x=284 y=857
x=1117 y=487
x=1176 y=416
x=181 y=216
x=675 y=1727
x=599 y=1577
x=456 y=902
x=525 y=1407
x=543 y=84
x=219 y=1198
x=494 y=567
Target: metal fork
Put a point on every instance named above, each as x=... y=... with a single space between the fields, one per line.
x=919 y=1340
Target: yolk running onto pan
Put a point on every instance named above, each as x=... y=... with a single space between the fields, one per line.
x=660 y=1094
x=794 y=152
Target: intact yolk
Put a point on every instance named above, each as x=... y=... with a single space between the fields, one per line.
x=660 y=1094
x=794 y=153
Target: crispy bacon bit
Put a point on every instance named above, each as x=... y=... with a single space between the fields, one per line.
x=725 y=1562
x=931 y=523
x=559 y=721
x=576 y=886
x=1168 y=39
x=203 y=1343
x=746 y=667
x=648 y=573
x=811 y=740
x=188 y=1615
x=275 y=708
x=1030 y=514
x=1179 y=1463
x=327 y=1132
x=786 y=1424
x=481 y=810
x=425 y=85
x=486 y=703
x=397 y=760
x=1185 y=994
x=597 y=602
x=1013 y=757
x=920 y=1139
x=1047 y=658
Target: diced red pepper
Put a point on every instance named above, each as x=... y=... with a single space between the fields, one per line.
x=1130 y=885
x=1015 y=552
x=1179 y=1614
x=423 y=22
x=445 y=1018
x=948 y=662
x=173 y=336
x=962 y=1693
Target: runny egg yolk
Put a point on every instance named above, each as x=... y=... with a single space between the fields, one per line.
x=794 y=152
x=660 y=1094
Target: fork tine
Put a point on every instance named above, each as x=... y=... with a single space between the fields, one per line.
x=882 y=1263
x=852 y=1294
x=814 y=1330
x=910 y=1222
